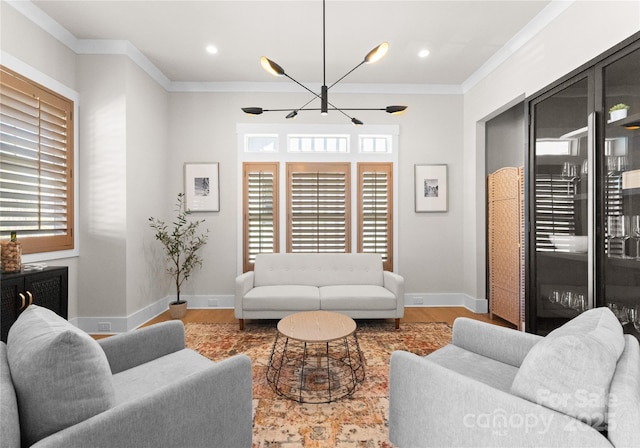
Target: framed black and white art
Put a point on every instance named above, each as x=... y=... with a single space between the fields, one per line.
x=431 y=188
x=202 y=187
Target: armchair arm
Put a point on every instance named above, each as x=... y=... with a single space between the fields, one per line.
x=431 y=406
x=395 y=283
x=211 y=408
x=492 y=341
x=244 y=283
x=133 y=348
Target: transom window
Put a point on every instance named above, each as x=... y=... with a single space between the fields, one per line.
x=318 y=143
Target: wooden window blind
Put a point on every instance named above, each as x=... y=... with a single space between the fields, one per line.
x=318 y=207
x=260 y=211
x=375 y=210
x=36 y=164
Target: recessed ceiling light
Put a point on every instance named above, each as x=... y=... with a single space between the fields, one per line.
x=211 y=49
x=423 y=53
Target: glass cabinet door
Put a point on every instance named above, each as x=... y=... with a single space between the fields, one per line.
x=560 y=217
x=620 y=159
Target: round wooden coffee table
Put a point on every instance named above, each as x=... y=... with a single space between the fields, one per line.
x=316 y=357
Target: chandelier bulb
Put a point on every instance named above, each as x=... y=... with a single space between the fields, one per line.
x=252 y=110
x=292 y=114
x=271 y=67
x=377 y=53
x=395 y=110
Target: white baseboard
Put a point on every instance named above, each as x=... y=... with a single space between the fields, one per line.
x=447 y=299
x=110 y=325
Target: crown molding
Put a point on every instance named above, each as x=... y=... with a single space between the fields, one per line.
x=123 y=47
x=544 y=18
x=345 y=88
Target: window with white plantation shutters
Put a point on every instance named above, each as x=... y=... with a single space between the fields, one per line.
x=260 y=211
x=318 y=207
x=375 y=210
x=36 y=164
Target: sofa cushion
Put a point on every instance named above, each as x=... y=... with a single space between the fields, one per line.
x=496 y=374
x=357 y=297
x=133 y=383
x=282 y=298
x=61 y=375
x=318 y=269
x=9 y=421
x=570 y=370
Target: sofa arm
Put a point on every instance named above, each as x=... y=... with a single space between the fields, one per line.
x=493 y=341
x=395 y=283
x=244 y=283
x=133 y=348
x=431 y=406
x=210 y=408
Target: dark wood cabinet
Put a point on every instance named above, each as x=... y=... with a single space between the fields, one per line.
x=47 y=288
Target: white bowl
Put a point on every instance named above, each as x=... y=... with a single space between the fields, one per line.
x=569 y=243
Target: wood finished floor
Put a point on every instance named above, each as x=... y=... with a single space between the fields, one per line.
x=411 y=314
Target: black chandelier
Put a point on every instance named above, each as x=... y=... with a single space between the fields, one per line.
x=374 y=55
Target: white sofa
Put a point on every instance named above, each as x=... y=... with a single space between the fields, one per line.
x=351 y=284
x=496 y=387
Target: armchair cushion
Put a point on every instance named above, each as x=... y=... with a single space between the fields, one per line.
x=571 y=369
x=60 y=374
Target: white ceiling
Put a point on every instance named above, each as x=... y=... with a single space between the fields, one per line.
x=460 y=35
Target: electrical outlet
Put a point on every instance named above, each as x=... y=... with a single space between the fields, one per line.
x=104 y=326
x=418 y=300
x=213 y=302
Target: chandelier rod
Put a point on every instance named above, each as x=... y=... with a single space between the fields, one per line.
x=324 y=45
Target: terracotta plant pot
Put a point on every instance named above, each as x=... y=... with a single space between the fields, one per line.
x=177 y=310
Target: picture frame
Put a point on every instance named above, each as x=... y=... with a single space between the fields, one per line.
x=202 y=187
x=431 y=188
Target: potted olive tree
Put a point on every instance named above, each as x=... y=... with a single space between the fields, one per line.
x=181 y=243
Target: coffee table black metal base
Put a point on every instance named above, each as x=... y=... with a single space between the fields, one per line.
x=315 y=372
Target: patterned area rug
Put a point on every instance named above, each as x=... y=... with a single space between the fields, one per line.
x=356 y=421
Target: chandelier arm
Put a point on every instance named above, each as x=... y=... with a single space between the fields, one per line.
x=347 y=74
x=303 y=86
x=306 y=104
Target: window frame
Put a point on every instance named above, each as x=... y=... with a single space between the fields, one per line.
x=283 y=156
x=247 y=168
x=387 y=169
x=324 y=168
x=33 y=84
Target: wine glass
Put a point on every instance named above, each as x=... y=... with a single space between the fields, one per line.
x=634 y=317
x=620 y=311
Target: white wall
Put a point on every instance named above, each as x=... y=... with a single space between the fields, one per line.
x=147 y=187
x=103 y=197
x=430 y=246
x=585 y=30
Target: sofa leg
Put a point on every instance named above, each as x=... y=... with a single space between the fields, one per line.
x=241 y=322
x=397 y=323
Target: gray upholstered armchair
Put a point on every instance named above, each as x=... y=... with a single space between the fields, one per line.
x=492 y=386
x=61 y=388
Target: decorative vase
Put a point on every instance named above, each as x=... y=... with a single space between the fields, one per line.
x=178 y=310
x=618 y=114
x=11 y=254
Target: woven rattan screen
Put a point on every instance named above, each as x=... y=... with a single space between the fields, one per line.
x=505 y=190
